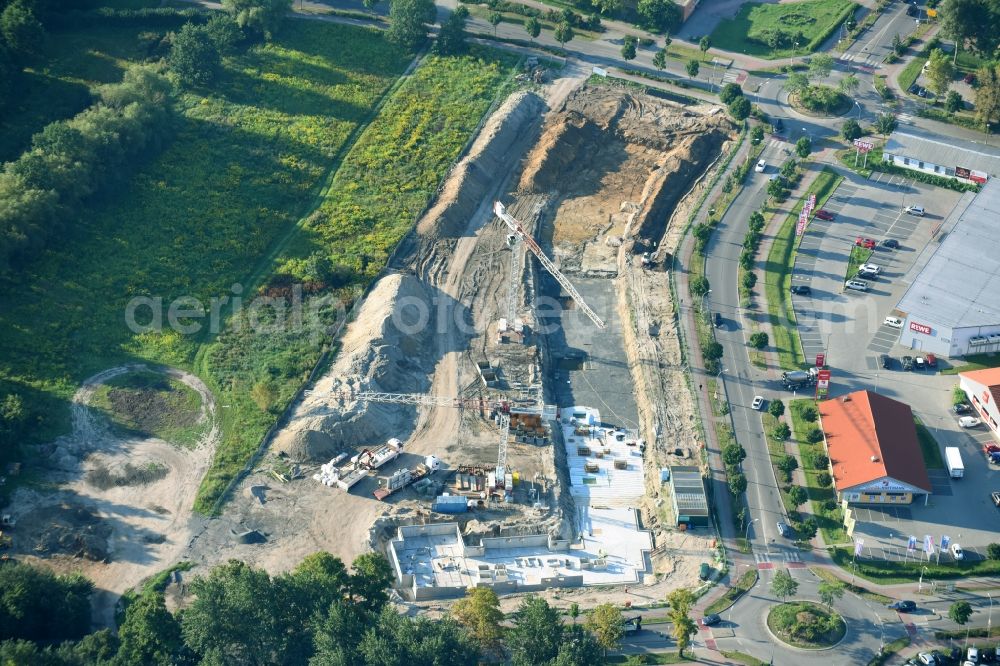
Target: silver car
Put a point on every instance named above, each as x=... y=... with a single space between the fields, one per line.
x=856 y=285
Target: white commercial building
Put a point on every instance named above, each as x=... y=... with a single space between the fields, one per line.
x=952 y=308
x=951 y=158
x=982 y=387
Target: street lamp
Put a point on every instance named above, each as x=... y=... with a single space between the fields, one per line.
x=858 y=104
x=989 y=617
x=746 y=535
x=920 y=583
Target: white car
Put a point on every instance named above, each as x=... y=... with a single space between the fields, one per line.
x=927 y=658
x=869 y=268
x=895 y=322
x=957 y=552
x=915 y=210
x=761 y=165
x=856 y=285
x=758 y=402
x=972 y=655
x=969 y=421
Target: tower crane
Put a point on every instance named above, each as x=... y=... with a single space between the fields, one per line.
x=501 y=211
x=501 y=407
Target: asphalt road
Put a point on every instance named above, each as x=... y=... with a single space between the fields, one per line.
x=723 y=254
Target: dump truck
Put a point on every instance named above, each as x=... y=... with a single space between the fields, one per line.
x=953 y=458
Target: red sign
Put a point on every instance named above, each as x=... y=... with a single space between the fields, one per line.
x=977 y=176
x=820 y=360
x=863 y=146
x=823 y=375
x=920 y=328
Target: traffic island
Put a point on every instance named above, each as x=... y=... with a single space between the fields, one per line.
x=806 y=625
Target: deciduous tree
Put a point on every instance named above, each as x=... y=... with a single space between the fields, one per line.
x=681 y=600
x=960 y=612
x=407 y=22
x=692 y=68
x=495 y=19
x=564 y=34
x=194 y=56
x=851 y=130
x=533 y=27
x=536 y=634
x=821 y=65
x=607 y=625
x=939 y=72
x=885 y=124
x=830 y=591
x=803 y=147
x=660 y=14
x=660 y=59
x=783 y=585
x=479 y=611
x=628 y=48
x=259 y=18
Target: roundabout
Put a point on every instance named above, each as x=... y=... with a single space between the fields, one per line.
x=806 y=625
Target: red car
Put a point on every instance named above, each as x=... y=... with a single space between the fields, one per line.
x=990 y=449
x=931 y=361
x=866 y=243
x=824 y=214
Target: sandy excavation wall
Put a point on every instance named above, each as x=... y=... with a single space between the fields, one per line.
x=614 y=165
x=384 y=349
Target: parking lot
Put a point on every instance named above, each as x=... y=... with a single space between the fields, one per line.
x=846 y=324
x=849 y=327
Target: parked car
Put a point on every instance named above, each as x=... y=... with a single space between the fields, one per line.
x=927 y=659
x=890 y=243
x=758 y=402
x=867 y=243
x=907 y=363
x=784 y=530
x=904 y=605
x=870 y=268
x=886 y=361
x=972 y=655
x=704 y=571
x=961 y=408
x=856 y=285
x=920 y=363
x=825 y=214
x=913 y=89
x=866 y=275
x=895 y=322
x=761 y=166
x=969 y=421
x=915 y=210
x=718 y=320
x=710 y=620
x=992 y=452
x=931 y=360
x=921 y=92
x=801 y=289
x=957 y=552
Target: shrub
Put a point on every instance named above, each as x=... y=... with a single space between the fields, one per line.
x=993 y=551
x=737 y=484
x=781 y=432
x=700 y=286
x=824 y=479
x=814 y=436
x=758 y=340
x=730 y=92
x=798 y=495
x=787 y=464
x=733 y=454
x=749 y=280
x=712 y=351
x=851 y=130
x=739 y=108
x=776 y=408
x=809 y=414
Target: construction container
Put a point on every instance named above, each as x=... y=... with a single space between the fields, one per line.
x=451 y=504
x=621 y=463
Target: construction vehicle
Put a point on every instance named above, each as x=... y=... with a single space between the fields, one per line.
x=404 y=477
x=367 y=461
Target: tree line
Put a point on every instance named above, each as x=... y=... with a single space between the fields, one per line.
x=321 y=613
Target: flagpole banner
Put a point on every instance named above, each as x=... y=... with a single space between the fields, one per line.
x=945 y=541
x=912 y=545
x=928 y=544
x=858 y=545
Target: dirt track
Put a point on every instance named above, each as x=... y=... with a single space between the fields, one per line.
x=141 y=529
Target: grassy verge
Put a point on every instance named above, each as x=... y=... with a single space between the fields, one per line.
x=862 y=592
x=876 y=163
x=783 y=619
x=382 y=185
x=974 y=362
x=889 y=650
x=778 y=275
x=859 y=256
x=652 y=658
x=742 y=658
x=769 y=30
x=975 y=632
x=743 y=584
x=890 y=572
x=962 y=118
x=828 y=514
x=929 y=448
x=908 y=76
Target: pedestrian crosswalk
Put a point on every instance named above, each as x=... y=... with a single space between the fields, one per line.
x=767 y=560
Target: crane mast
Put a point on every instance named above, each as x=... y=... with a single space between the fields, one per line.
x=501 y=211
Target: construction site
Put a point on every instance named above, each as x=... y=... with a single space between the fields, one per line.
x=506 y=395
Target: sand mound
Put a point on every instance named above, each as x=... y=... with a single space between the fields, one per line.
x=475 y=174
x=387 y=348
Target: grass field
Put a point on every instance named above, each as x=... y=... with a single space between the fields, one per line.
x=781 y=30
x=241 y=170
x=974 y=362
x=249 y=159
x=151 y=404
x=891 y=572
x=778 y=272
x=859 y=256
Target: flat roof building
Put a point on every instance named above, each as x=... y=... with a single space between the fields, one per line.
x=982 y=387
x=688 y=496
x=952 y=308
x=952 y=158
x=874 y=452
